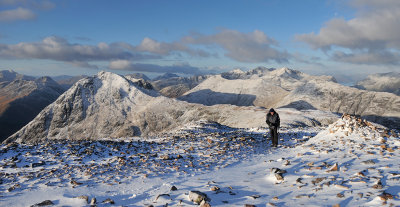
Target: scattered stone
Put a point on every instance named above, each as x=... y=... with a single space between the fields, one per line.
x=368 y=162
x=299 y=180
x=271 y=204
x=205 y=204
x=278 y=173
x=83 y=197
x=378 y=185
x=197 y=197
x=73 y=182
x=214 y=188
x=342 y=186
x=275 y=198
x=317 y=180
x=249 y=205
x=108 y=200
x=340 y=195
x=44 y=203
x=38 y=164
x=174 y=188
x=255 y=196
x=385 y=196
x=360 y=195
x=335 y=167
x=161 y=195
x=93 y=201
x=336 y=205
x=13 y=187
x=287 y=162
x=279 y=176
x=165 y=157
x=303 y=196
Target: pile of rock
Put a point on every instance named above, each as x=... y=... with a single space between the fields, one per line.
x=349 y=124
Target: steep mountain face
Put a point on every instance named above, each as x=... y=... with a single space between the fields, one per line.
x=289 y=88
x=109 y=105
x=176 y=86
x=21 y=100
x=381 y=82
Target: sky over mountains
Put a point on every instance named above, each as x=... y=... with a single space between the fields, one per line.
x=347 y=39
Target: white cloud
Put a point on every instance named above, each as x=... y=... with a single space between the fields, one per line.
x=120 y=64
x=251 y=47
x=163 y=48
x=37 y=4
x=371 y=36
x=16 y=14
x=59 y=49
x=139 y=67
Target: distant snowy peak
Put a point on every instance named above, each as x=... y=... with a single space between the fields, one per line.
x=10 y=75
x=138 y=76
x=272 y=73
x=166 y=76
x=381 y=82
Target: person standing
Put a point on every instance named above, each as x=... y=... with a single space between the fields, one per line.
x=273 y=122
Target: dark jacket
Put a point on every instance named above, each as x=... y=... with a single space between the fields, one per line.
x=273 y=121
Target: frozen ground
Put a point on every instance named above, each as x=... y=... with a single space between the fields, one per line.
x=351 y=163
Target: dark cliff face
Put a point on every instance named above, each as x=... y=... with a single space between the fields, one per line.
x=21 y=100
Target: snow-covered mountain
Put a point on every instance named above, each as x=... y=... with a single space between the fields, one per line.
x=166 y=76
x=110 y=105
x=381 y=82
x=176 y=86
x=21 y=99
x=138 y=76
x=10 y=75
x=290 y=88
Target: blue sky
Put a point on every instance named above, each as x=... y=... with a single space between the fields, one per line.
x=347 y=39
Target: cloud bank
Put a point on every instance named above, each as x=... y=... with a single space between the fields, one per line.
x=139 y=67
x=16 y=14
x=253 y=47
x=371 y=37
x=19 y=10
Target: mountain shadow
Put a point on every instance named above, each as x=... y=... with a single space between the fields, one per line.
x=208 y=97
x=390 y=122
x=22 y=111
x=300 y=105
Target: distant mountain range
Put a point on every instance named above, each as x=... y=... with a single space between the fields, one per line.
x=22 y=98
x=381 y=82
x=290 y=88
x=110 y=105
